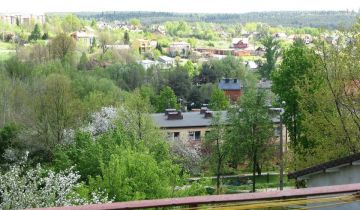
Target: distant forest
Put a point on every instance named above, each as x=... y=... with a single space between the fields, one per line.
x=319 y=19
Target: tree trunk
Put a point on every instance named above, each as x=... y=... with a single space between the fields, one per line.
x=254 y=172
x=218 y=170
x=258 y=168
x=218 y=178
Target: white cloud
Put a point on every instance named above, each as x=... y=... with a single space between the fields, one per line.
x=201 y=6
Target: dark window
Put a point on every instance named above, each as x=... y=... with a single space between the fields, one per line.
x=197 y=135
x=176 y=135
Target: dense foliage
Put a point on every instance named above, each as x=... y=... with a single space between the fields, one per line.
x=326 y=19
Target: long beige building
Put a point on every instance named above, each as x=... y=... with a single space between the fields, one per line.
x=12 y=18
x=186 y=126
x=191 y=127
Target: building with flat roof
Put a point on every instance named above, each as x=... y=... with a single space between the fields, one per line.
x=193 y=126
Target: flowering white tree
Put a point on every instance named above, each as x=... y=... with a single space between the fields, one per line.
x=37 y=187
x=188 y=156
x=101 y=121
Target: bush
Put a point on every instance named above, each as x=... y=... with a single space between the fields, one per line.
x=21 y=188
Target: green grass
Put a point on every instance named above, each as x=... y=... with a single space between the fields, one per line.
x=5 y=55
x=238 y=185
x=251 y=58
x=7 y=46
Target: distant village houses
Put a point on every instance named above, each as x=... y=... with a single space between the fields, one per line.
x=181 y=49
x=85 y=36
x=240 y=43
x=146 y=45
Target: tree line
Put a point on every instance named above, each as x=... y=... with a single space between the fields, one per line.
x=320 y=19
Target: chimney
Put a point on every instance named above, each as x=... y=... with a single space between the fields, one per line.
x=175 y=115
x=203 y=110
x=169 y=110
x=208 y=114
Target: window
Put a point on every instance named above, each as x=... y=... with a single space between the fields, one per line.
x=194 y=135
x=277 y=131
x=170 y=136
x=176 y=135
x=173 y=135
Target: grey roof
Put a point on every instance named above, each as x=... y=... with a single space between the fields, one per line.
x=194 y=119
x=190 y=119
x=165 y=59
x=344 y=161
x=230 y=84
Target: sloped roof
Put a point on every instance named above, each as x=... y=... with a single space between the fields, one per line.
x=165 y=59
x=348 y=160
x=237 y=40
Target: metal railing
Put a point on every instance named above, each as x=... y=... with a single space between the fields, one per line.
x=235 y=199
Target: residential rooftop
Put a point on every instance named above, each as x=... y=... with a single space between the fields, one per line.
x=230 y=84
x=190 y=119
x=195 y=119
x=344 y=161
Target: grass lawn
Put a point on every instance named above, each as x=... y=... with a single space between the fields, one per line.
x=5 y=55
x=236 y=185
x=7 y=46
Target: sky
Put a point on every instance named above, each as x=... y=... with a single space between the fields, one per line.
x=193 y=6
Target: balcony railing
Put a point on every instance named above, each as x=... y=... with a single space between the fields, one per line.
x=292 y=197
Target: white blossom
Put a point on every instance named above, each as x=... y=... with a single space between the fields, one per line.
x=189 y=155
x=101 y=121
x=37 y=187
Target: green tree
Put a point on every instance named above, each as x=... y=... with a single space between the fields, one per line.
x=191 y=69
x=218 y=149
x=218 y=100
x=83 y=61
x=105 y=39
x=71 y=23
x=93 y=45
x=45 y=36
x=293 y=74
x=158 y=47
x=126 y=38
x=62 y=46
x=272 y=53
x=35 y=34
x=216 y=69
x=135 y=22
x=131 y=175
x=250 y=132
x=328 y=103
x=195 y=99
x=179 y=81
x=8 y=135
x=166 y=99
x=54 y=111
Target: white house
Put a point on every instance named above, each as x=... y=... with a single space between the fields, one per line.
x=181 y=49
x=147 y=63
x=166 y=61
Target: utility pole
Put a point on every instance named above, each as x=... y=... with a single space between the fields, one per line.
x=281 y=147
x=281 y=154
